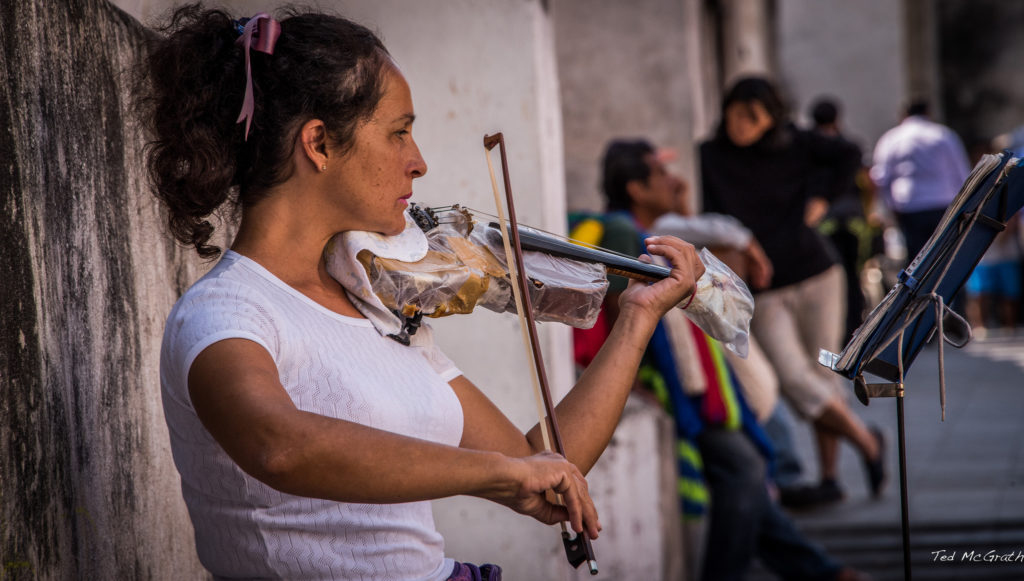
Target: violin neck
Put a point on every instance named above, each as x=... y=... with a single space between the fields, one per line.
x=629 y=267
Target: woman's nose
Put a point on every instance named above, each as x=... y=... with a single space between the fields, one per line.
x=417 y=166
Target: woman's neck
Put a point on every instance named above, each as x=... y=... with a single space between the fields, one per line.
x=290 y=246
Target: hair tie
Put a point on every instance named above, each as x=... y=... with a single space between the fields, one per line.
x=257 y=37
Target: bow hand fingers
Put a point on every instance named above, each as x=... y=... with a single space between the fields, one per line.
x=538 y=475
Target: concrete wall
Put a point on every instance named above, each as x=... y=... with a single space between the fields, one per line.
x=625 y=70
x=850 y=50
x=87 y=488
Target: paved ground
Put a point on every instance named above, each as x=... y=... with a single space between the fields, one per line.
x=965 y=474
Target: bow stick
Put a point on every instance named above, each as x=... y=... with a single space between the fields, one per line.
x=577 y=549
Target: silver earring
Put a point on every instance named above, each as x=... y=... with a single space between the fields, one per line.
x=323 y=167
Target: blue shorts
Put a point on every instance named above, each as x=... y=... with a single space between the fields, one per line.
x=1000 y=279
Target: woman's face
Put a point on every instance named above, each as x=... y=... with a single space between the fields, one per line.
x=747 y=122
x=373 y=181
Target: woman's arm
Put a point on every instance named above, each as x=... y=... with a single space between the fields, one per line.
x=237 y=395
x=588 y=414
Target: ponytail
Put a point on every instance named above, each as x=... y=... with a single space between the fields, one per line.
x=199 y=160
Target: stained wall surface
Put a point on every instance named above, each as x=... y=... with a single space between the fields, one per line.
x=87 y=488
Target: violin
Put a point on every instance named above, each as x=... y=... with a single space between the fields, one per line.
x=458 y=264
x=536 y=240
x=465 y=267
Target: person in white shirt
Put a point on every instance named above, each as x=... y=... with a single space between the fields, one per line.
x=309 y=443
x=918 y=167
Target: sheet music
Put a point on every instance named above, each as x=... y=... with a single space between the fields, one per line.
x=848 y=356
x=852 y=352
x=985 y=165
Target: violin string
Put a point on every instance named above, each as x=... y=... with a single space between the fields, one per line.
x=440 y=211
x=554 y=235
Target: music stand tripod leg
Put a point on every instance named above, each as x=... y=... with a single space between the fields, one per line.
x=902 y=443
x=865 y=393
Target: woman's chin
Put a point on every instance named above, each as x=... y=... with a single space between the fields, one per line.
x=394 y=230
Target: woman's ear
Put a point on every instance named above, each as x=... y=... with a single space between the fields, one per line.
x=313 y=141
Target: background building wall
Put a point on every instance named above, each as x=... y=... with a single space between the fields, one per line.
x=980 y=52
x=852 y=51
x=625 y=71
x=875 y=55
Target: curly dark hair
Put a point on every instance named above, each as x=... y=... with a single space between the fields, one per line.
x=323 y=67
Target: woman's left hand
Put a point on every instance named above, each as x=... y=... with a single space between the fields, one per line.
x=654 y=300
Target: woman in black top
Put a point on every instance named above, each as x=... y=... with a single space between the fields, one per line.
x=776 y=179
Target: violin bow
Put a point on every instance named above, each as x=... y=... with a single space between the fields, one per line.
x=578 y=549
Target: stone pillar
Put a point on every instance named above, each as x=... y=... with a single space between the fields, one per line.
x=626 y=70
x=746 y=38
x=87 y=275
x=922 y=53
x=851 y=51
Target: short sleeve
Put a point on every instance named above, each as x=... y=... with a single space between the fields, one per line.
x=210 y=312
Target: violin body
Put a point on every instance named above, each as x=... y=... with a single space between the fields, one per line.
x=458 y=265
x=464 y=268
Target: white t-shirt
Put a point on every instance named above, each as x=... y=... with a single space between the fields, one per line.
x=331 y=365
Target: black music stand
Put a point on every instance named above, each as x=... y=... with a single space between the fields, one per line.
x=916 y=309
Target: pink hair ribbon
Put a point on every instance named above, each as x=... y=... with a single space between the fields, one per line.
x=256 y=36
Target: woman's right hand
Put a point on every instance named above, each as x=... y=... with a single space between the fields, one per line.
x=532 y=478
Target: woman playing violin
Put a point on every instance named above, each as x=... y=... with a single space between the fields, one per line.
x=308 y=443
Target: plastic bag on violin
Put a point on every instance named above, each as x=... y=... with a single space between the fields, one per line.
x=723 y=305
x=456 y=267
